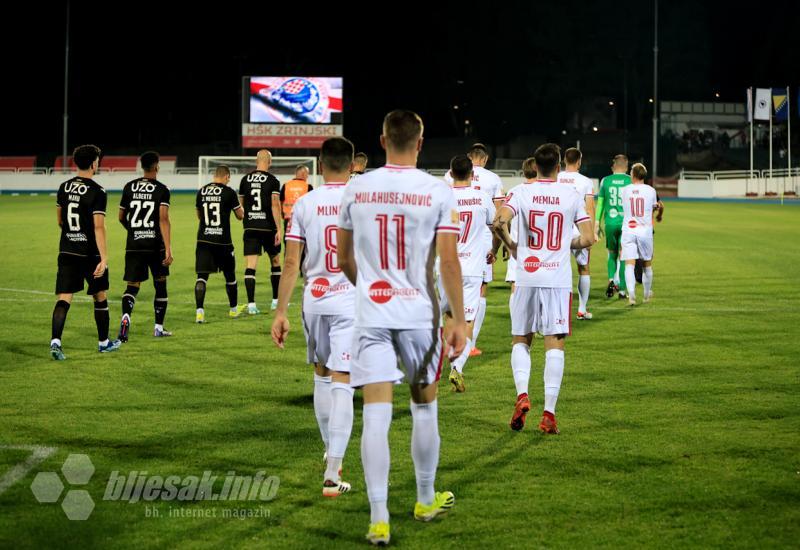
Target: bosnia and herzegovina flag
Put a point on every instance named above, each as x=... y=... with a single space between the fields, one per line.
x=780 y=103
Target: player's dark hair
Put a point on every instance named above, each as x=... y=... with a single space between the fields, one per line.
x=461 y=167
x=478 y=151
x=336 y=154
x=221 y=171
x=360 y=158
x=148 y=160
x=84 y=155
x=300 y=167
x=572 y=155
x=402 y=129
x=529 y=168
x=638 y=171
x=548 y=159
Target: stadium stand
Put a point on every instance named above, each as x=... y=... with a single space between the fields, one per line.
x=17 y=164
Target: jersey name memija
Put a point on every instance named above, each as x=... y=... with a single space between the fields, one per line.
x=141 y=200
x=215 y=202
x=314 y=222
x=638 y=202
x=80 y=199
x=546 y=211
x=476 y=212
x=395 y=213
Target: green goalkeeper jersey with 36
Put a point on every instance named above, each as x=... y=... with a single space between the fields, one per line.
x=611 y=194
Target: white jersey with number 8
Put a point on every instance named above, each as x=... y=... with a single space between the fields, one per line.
x=314 y=222
x=545 y=211
x=395 y=213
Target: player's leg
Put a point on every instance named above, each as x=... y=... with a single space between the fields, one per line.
x=318 y=351
x=647 y=279
x=200 y=296
x=612 y=245
x=128 y=301
x=160 y=303
x=623 y=282
x=204 y=265
x=456 y=376
x=422 y=355
x=59 y=320
x=251 y=262
x=98 y=288
x=553 y=374
x=637 y=271
x=69 y=279
x=340 y=425
x=524 y=312
x=472 y=287
x=275 y=267
x=630 y=280
x=480 y=314
x=374 y=366
x=584 y=282
x=227 y=262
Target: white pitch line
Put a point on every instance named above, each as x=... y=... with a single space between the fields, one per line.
x=38 y=455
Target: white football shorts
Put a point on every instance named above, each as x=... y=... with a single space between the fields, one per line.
x=542 y=310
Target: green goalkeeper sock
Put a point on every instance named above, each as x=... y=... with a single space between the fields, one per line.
x=612 y=266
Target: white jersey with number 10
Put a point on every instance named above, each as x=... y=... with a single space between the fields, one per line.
x=314 y=222
x=638 y=202
x=395 y=213
x=545 y=211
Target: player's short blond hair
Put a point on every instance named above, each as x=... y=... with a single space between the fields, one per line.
x=638 y=171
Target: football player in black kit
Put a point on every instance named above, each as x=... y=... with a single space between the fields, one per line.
x=82 y=254
x=214 y=252
x=144 y=212
x=259 y=195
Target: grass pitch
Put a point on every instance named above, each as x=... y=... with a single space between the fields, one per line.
x=680 y=419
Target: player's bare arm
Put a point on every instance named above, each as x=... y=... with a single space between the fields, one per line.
x=123 y=218
x=586 y=238
x=291 y=268
x=58 y=216
x=238 y=212
x=100 y=238
x=276 y=215
x=166 y=233
x=590 y=210
x=450 y=270
x=346 y=255
x=500 y=229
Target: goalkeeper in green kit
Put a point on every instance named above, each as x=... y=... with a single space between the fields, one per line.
x=609 y=208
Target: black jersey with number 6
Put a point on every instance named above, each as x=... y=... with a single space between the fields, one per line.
x=257 y=189
x=141 y=200
x=215 y=202
x=80 y=199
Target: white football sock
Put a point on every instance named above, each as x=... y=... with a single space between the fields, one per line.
x=521 y=366
x=583 y=292
x=459 y=362
x=375 y=458
x=322 y=405
x=553 y=373
x=339 y=427
x=647 y=280
x=103 y=342
x=425 y=448
x=630 y=281
x=479 y=321
x=56 y=341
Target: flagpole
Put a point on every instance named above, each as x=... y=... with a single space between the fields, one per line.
x=770 y=142
x=789 y=137
x=751 y=115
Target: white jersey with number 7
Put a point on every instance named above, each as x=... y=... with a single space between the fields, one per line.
x=395 y=213
x=545 y=211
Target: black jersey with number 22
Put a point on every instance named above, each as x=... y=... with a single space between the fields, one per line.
x=141 y=200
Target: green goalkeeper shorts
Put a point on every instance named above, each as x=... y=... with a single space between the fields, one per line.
x=613 y=236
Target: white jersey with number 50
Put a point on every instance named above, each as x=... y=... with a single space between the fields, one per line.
x=638 y=202
x=395 y=213
x=545 y=211
x=476 y=212
x=314 y=222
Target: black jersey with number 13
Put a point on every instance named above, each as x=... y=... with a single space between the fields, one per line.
x=215 y=202
x=80 y=199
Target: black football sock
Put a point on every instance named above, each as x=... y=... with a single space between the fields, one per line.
x=200 y=290
x=101 y=319
x=232 y=288
x=250 y=285
x=129 y=299
x=160 y=301
x=59 y=318
x=275 y=279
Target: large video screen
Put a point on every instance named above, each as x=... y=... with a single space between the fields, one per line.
x=295 y=100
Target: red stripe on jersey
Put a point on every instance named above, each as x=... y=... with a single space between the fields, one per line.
x=295 y=238
x=514 y=210
x=447 y=228
x=398 y=167
x=441 y=355
x=582 y=219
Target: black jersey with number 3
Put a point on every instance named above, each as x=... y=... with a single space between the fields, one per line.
x=141 y=200
x=215 y=202
x=257 y=189
x=80 y=199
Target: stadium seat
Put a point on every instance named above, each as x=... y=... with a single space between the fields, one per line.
x=8 y=164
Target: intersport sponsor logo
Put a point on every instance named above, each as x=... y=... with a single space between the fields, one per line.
x=532 y=264
x=381 y=292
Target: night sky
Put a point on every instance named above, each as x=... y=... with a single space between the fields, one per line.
x=170 y=78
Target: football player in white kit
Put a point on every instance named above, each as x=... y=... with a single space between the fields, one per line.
x=491 y=184
x=476 y=212
x=391 y=223
x=544 y=211
x=529 y=171
x=572 y=176
x=639 y=203
x=328 y=306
